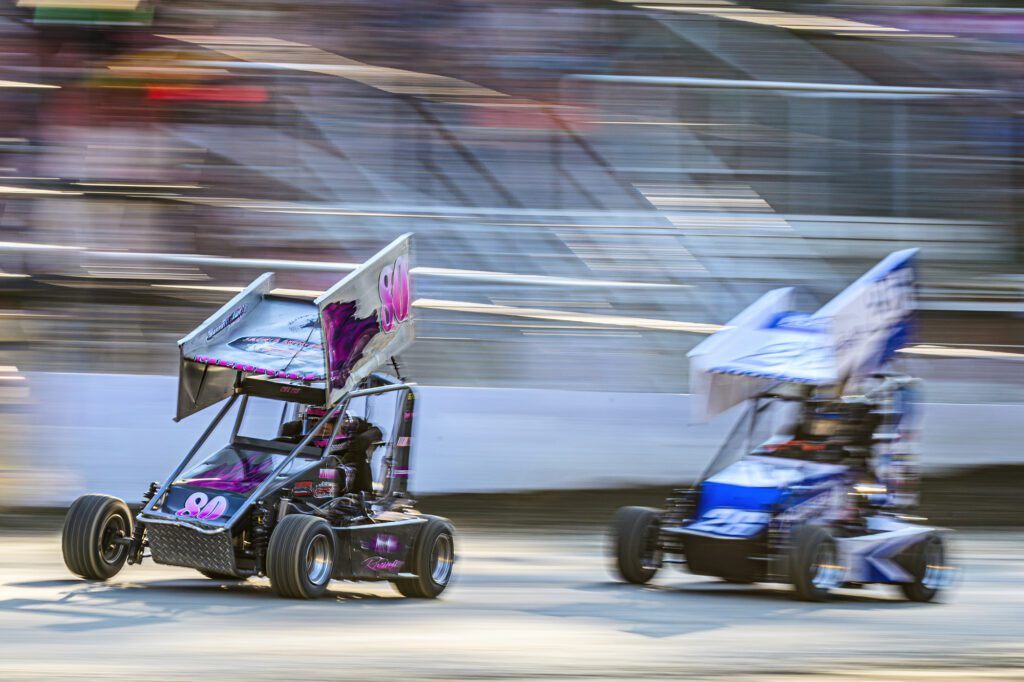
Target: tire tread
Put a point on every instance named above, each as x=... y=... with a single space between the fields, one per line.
x=284 y=562
x=916 y=591
x=81 y=526
x=805 y=541
x=423 y=585
x=629 y=528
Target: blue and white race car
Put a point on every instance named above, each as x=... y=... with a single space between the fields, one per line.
x=813 y=485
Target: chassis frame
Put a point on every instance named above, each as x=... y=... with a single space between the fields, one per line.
x=876 y=545
x=375 y=536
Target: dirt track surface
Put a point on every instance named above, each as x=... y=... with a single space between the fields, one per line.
x=525 y=607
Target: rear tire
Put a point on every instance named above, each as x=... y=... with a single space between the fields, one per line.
x=92 y=527
x=300 y=557
x=814 y=564
x=432 y=560
x=635 y=548
x=925 y=562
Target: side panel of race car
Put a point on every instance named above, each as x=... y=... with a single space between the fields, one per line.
x=375 y=551
x=740 y=505
x=732 y=558
x=876 y=556
x=741 y=500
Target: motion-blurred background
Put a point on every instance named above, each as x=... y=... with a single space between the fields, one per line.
x=591 y=183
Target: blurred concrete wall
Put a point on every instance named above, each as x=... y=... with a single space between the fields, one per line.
x=114 y=434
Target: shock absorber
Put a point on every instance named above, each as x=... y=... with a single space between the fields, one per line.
x=260 y=535
x=137 y=545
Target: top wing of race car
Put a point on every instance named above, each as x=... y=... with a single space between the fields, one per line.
x=767 y=343
x=299 y=350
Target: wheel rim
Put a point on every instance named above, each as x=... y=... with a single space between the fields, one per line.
x=650 y=560
x=318 y=560
x=442 y=557
x=825 y=570
x=934 y=566
x=111 y=551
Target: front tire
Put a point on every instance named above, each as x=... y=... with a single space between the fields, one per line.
x=926 y=562
x=92 y=541
x=432 y=560
x=814 y=564
x=300 y=557
x=635 y=548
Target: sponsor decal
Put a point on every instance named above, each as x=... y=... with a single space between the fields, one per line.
x=393 y=287
x=731 y=522
x=326 y=489
x=235 y=316
x=303 y=322
x=200 y=506
x=303 y=489
x=277 y=346
x=379 y=563
x=385 y=544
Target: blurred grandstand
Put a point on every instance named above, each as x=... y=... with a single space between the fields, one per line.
x=593 y=185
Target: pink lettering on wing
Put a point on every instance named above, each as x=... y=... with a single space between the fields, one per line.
x=393 y=287
x=379 y=563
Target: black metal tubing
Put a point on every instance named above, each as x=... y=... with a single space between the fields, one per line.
x=239 y=417
x=191 y=453
x=268 y=481
x=387 y=384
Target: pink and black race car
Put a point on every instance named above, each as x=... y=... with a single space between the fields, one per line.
x=327 y=498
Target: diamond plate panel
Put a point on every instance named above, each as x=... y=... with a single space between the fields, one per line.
x=180 y=546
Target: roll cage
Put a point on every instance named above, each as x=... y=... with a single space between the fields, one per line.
x=764 y=416
x=395 y=460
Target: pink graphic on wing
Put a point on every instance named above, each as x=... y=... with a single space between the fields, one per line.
x=239 y=477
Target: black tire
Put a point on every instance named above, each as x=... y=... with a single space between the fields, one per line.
x=432 y=560
x=224 y=577
x=300 y=557
x=91 y=527
x=635 y=548
x=923 y=560
x=814 y=563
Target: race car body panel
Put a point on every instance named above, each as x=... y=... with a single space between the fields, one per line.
x=740 y=500
x=379 y=550
x=215 y=489
x=876 y=557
